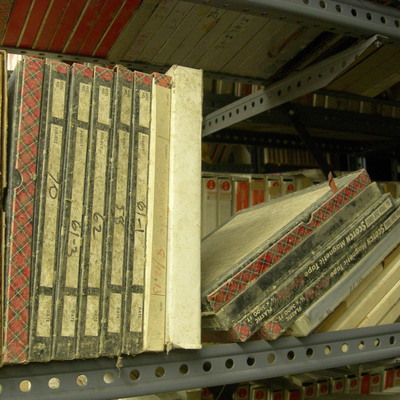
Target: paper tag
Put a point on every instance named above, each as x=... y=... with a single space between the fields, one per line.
x=126 y=105
x=84 y=101
x=114 y=313
x=144 y=109
x=103 y=115
x=92 y=316
x=69 y=316
x=44 y=316
x=136 y=313
x=58 y=101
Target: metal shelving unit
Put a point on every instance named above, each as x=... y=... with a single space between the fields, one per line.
x=231 y=363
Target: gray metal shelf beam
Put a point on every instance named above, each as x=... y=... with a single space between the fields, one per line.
x=211 y=366
x=352 y=18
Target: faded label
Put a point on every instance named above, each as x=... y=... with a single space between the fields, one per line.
x=104 y=105
x=141 y=209
x=378 y=213
x=50 y=211
x=44 y=316
x=144 y=109
x=75 y=222
x=92 y=316
x=126 y=105
x=136 y=324
x=114 y=313
x=98 y=217
x=85 y=91
x=117 y=265
x=58 y=101
x=69 y=317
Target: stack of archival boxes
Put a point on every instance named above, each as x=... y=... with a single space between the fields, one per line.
x=101 y=237
x=290 y=261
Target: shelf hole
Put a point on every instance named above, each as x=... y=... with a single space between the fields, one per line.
x=338 y=8
x=290 y=355
x=25 y=386
x=279 y=92
x=383 y=20
x=253 y=104
x=237 y=111
x=322 y=4
x=369 y=16
x=271 y=358
x=207 y=366
x=229 y=363
x=134 y=375
x=108 y=377
x=306 y=2
x=392 y=340
x=310 y=352
x=261 y=100
x=82 y=380
x=246 y=10
x=184 y=369
x=230 y=115
x=60 y=56
x=289 y=88
x=22 y=52
x=327 y=350
x=209 y=123
x=397 y=23
x=245 y=108
x=377 y=342
x=345 y=347
x=54 y=383
x=159 y=372
x=354 y=12
x=264 y=14
x=298 y=83
x=251 y=361
x=223 y=118
x=216 y=120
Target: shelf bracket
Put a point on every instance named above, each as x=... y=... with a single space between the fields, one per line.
x=290 y=88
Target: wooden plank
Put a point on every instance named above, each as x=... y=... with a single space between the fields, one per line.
x=176 y=39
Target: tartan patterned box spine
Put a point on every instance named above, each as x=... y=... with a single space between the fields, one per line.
x=249 y=269
x=3 y=173
x=95 y=216
x=72 y=198
x=275 y=326
x=243 y=305
x=118 y=234
x=24 y=131
x=157 y=233
x=137 y=211
x=49 y=184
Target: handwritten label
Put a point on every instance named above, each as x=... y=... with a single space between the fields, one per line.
x=69 y=316
x=75 y=222
x=58 y=101
x=84 y=101
x=50 y=211
x=104 y=105
x=92 y=316
x=44 y=316
x=114 y=313
x=98 y=217
x=141 y=209
x=126 y=106
x=144 y=109
x=117 y=264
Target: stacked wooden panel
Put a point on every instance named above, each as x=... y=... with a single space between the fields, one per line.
x=93 y=259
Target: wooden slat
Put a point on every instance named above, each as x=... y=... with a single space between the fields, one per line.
x=16 y=22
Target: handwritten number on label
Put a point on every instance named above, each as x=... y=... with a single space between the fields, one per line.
x=53 y=189
x=120 y=220
x=99 y=219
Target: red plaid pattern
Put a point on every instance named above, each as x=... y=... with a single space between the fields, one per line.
x=5 y=11
x=16 y=330
x=239 y=282
x=162 y=80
